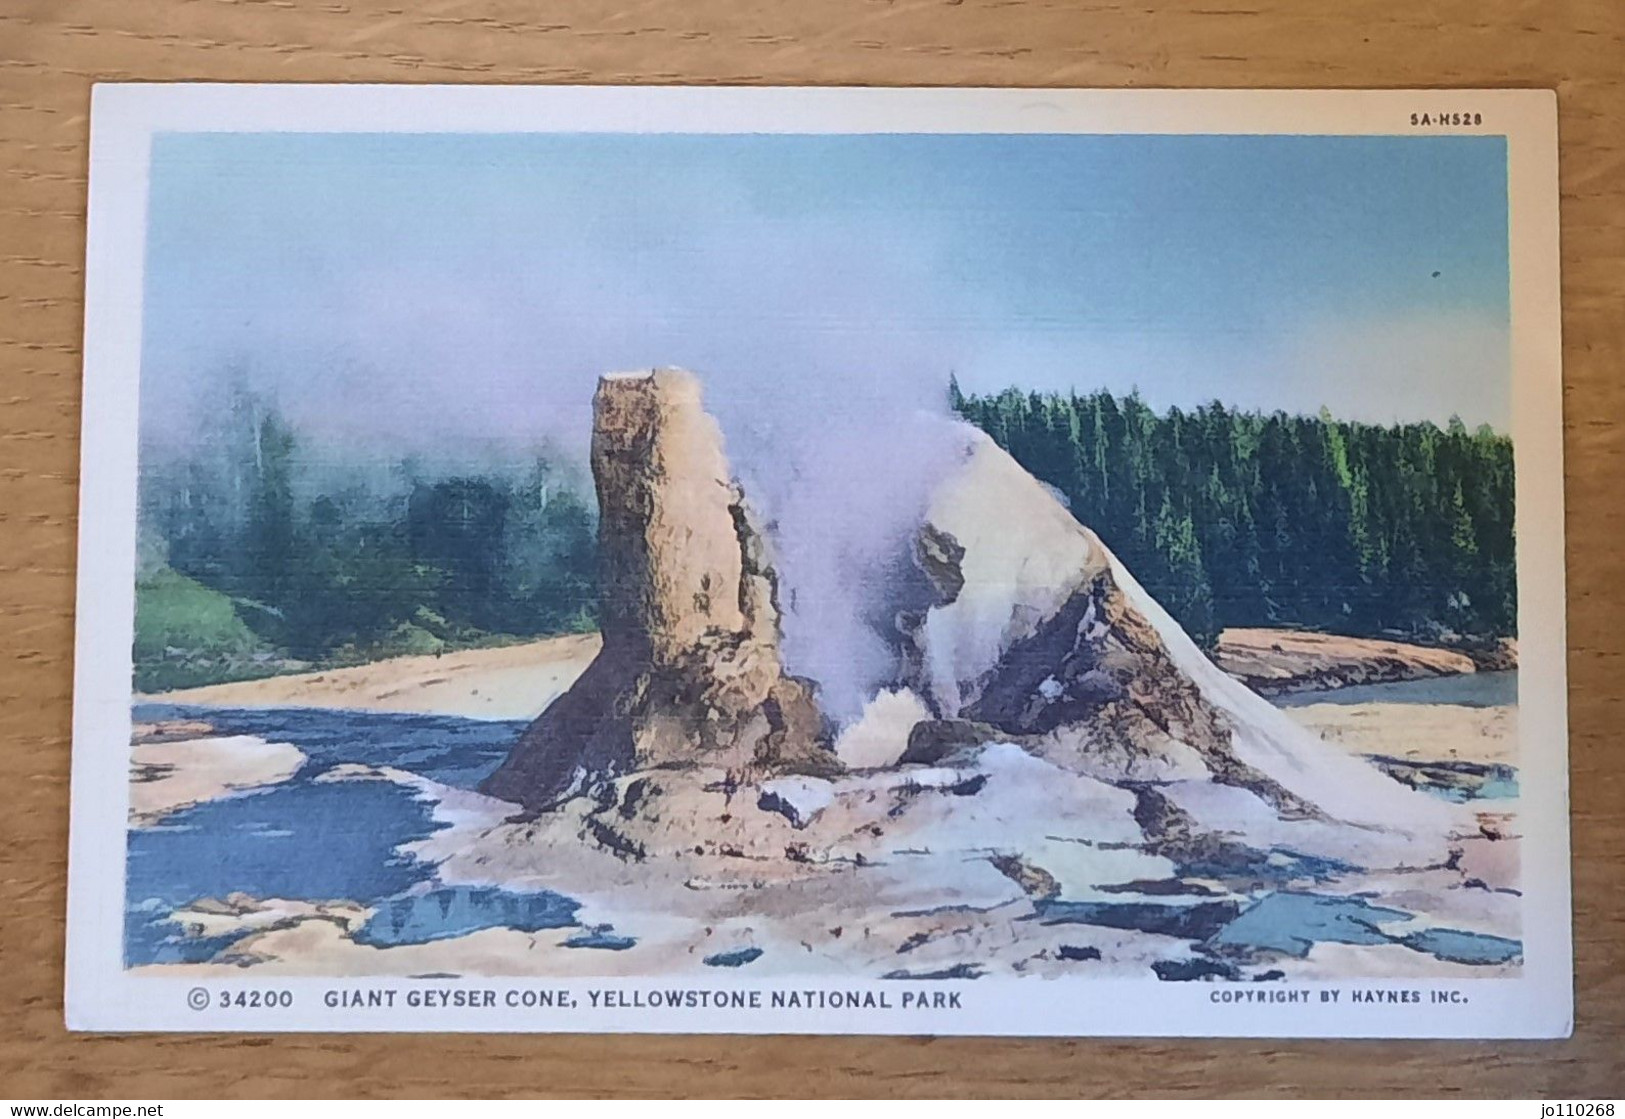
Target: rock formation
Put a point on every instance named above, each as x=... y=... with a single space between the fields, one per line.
x=1054 y=777
x=1013 y=623
x=690 y=671
x=1039 y=636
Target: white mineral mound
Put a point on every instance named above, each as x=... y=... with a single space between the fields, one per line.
x=1048 y=618
x=1263 y=736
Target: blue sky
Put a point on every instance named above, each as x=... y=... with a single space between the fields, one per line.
x=485 y=281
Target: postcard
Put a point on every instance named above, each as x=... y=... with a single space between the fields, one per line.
x=990 y=562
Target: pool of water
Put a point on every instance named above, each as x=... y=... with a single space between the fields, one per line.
x=1471 y=689
x=1293 y=923
x=1286 y=921
x=444 y=748
x=309 y=840
x=459 y=910
x=1465 y=947
x=306 y=840
x=600 y=938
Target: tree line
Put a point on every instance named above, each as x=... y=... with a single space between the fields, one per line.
x=323 y=559
x=262 y=549
x=1236 y=518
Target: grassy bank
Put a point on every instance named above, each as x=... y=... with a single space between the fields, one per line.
x=188 y=636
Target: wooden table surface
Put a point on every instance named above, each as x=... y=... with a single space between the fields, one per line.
x=50 y=52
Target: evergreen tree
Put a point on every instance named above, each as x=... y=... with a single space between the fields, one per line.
x=1235 y=518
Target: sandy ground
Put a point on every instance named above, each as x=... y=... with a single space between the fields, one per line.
x=513 y=682
x=519 y=681
x=168 y=774
x=1274 y=660
x=1416 y=731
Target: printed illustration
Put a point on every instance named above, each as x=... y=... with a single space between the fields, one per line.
x=921 y=557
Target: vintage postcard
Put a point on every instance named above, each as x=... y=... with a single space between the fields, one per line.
x=821 y=561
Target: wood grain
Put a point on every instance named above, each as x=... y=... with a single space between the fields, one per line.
x=50 y=52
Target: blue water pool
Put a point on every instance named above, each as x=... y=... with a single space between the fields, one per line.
x=310 y=840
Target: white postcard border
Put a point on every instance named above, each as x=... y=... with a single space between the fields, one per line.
x=101 y=995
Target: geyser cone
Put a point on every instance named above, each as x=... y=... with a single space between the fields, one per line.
x=1040 y=636
x=690 y=671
